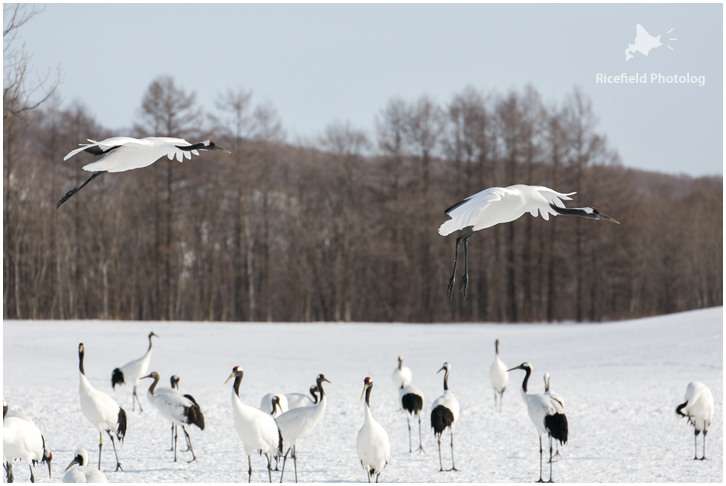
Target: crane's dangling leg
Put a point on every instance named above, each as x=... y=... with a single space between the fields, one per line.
x=466 y=236
x=113 y=443
x=75 y=190
x=420 y=442
x=540 y=480
x=465 y=278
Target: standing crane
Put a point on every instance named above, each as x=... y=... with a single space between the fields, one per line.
x=698 y=407
x=557 y=397
x=444 y=412
x=101 y=410
x=177 y=408
x=402 y=375
x=297 y=423
x=119 y=154
x=374 y=449
x=296 y=400
x=256 y=428
x=82 y=473
x=498 y=205
x=498 y=376
x=412 y=400
x=546 y=414
x=22 y=440
x=132 y=372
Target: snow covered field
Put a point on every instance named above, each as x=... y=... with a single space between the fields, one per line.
x=621 y=381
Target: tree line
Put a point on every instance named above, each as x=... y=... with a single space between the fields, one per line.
x=343 y=227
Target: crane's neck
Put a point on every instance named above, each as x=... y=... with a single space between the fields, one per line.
x=152 y=388
x=149 y=350
x=496 y=346
x=320 y=389
x=528 y=372
x=237 y=383
x=446 y=380
x=195 y=146
x=368 y=396
x=400 y=363
x=315 y=396
x=80 y=362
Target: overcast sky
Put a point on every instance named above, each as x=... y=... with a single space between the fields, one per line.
x=320 y=63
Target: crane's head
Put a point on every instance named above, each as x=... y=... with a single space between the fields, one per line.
x=276 y=404
x=152 y=334
x=446 y=367
x=367 y=383
x=81 y=349
x=153 y=375
x=321 y=378
x=590 y=212
x=5 y=408
x=47 y=455
x=524 y=366
x=236 y=371
x=81 y=458
x=210 y=145
x=174 y=380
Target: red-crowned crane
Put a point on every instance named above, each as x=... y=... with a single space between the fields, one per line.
x=546 y=414
x=101 y=410
x=177 y=408
x=297 y=423
x=402 y=375
x=374 y=449
x=256 y=428
x=698 y=407
x=501 y=205
x=412 y=400
x=267 y=404
x=82 y=473
x=132 y=372
x=555 y=396
x=23 y=440
x=444 y=412
x=498 y=376
x=120 y=154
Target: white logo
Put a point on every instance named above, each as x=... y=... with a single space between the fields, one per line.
x=644 y=42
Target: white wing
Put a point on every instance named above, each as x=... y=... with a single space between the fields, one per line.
x=465 y=213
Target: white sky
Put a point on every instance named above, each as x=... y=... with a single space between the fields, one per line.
x=317 y=63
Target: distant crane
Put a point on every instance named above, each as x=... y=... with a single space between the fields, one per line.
x=256 y=428
x=412 y=400
x=557 y=397
x=120 y=154
x=502 y=205
x=101 y=410
x=296 y=424
x=267 y=404
x=177 y=408
x=444 y=412
x=132 y=372
x=546 y=414
x=498 y=376
x=82 y=473
x=374 y=449
x=698 y=407
x=296 y=400
x=22 y=440
x=402 y=375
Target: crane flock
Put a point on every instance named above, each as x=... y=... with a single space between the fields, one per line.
x=282 y=421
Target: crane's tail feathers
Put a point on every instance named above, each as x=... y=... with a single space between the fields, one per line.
x=117 y=378
x=121 y=430
x=448 y=227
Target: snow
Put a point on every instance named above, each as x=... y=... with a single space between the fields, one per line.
x=621 y=380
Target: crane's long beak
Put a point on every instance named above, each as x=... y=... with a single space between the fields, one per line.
x=515 y=368
x=147 y=376
x=605 y=217
x=230 y=377
x=365 y=387
x=217 y=147
x=74 y=461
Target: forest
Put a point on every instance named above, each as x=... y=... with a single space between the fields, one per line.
x=343 y=227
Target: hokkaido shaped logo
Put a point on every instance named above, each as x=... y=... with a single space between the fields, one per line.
x=644 y=42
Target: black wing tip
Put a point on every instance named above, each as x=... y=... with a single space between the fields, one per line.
x=121 y=430
x=454 y=206
x=117 y=378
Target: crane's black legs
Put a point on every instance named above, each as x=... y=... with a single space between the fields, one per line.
x=284 y=460
x=540 y=480
x=410 y=447
x=294 y=460
x=173 y=427
x=75 y=190
x=100 y=446
x=269 y=466
x=704 y=444
x=9 y=471
x=465 y=278
x=189 y=444
x=453 y=468
x=441 y=464
x=113 y=443
x=249 y=471
x=550 y=481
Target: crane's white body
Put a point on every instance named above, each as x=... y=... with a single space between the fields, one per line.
x=256 y=428
x=132 y=153
x=83 y=473
x=498 y=377
x=297 y=423
x=402 y=375
x=99 y=408
x=553 y=394
x=22 y=440
x=170 y=403
x=497 y=205
x=372 y=444
x=132 y=371
x=449 y=401
x=266 y=404
x=406 y=398
x=297 y=400
x=699 y=407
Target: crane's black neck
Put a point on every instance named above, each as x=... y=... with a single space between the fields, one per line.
x=526 y=379
x=5 y=409
x=400 y=363
x=573 y=212
x=681 y=407
x=496 y=346
x=150 y=336
x=152 y=388
x=81 y=354
x=195 y=146
x=446 y=380
x=315 y=396
x=320 y=389
x=368 y=396
x=237 y=383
